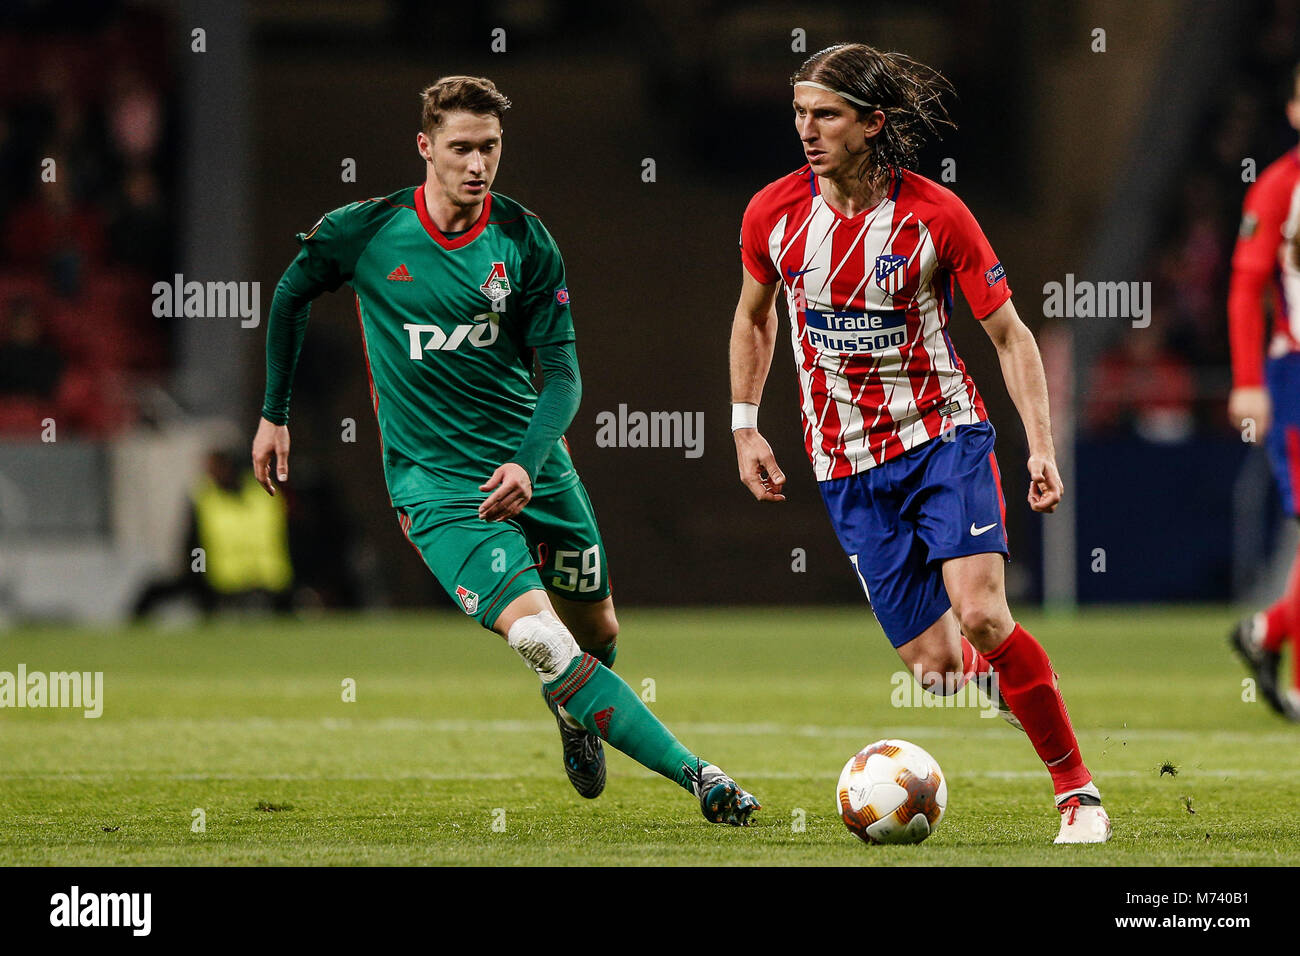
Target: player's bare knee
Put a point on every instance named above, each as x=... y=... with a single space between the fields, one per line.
x=984 y=622
x=596 y=631
x=544 y=643
x=606 y=630
x=938 y=672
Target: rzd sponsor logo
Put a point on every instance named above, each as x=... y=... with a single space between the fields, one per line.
x=432 y=338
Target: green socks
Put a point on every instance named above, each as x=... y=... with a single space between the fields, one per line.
x=606 y=654
x=606 y=706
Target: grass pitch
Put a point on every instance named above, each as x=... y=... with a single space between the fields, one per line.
x=448 y=755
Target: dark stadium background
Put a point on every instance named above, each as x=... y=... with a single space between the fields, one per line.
x=1122 y=165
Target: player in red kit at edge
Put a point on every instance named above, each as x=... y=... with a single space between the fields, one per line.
x=1265 y=396
x=897 y=434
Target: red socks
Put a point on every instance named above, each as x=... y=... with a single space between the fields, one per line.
x=1028 y=684
x=972 y=661
x=975 y=667
x=1277 y=624
x=1282 y=620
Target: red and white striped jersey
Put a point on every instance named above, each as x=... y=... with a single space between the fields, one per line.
x=869 y=300
x=1263 y=257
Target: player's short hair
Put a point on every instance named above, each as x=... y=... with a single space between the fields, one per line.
x=451 y=94
x=906 y=91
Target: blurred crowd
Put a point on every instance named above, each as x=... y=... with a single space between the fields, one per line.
x=1170 y=381
x=86 y=221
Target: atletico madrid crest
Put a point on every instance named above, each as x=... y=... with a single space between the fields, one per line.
x=496 y=286
x=891 y=273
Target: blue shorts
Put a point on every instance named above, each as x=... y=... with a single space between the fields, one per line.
x=898 y=523
x=1283 y=439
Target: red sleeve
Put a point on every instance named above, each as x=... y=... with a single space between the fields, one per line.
x=755 y=227
x=1262 y=214
x=1253 y=262
x=966 y=253
x=1246 y=327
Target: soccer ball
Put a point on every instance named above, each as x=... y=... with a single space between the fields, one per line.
x=891 y=792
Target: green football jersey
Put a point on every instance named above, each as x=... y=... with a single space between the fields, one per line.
x=448 y=326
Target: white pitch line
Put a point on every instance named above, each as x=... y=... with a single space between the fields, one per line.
x=1113 y=736
x=76 y=776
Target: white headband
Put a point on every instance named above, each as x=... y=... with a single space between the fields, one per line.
x=848 y=96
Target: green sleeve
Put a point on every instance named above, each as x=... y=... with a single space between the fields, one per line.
x=546 y=293
x=326 y=260
x=557 y=404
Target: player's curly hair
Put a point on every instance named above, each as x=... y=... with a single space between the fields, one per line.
x=908 y=92
x=470 y=94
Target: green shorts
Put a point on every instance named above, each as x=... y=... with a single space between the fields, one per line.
x=484 y=565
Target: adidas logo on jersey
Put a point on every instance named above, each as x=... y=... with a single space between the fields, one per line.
x=433 y=338
x=400 y=274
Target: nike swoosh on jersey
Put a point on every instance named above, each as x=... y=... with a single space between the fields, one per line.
x=979 y=531
x=791 y=274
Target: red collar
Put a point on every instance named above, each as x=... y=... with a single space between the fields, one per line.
x=436 y=234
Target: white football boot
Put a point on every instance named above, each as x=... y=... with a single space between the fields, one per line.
x=1004 y=711
x=1083 y=819
x=988 y=686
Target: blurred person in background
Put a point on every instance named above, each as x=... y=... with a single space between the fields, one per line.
x=1143 y=388
x=30 y=365
x=56 y=235
x=138 y=235
x=1265 y=398
x=244 y=540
